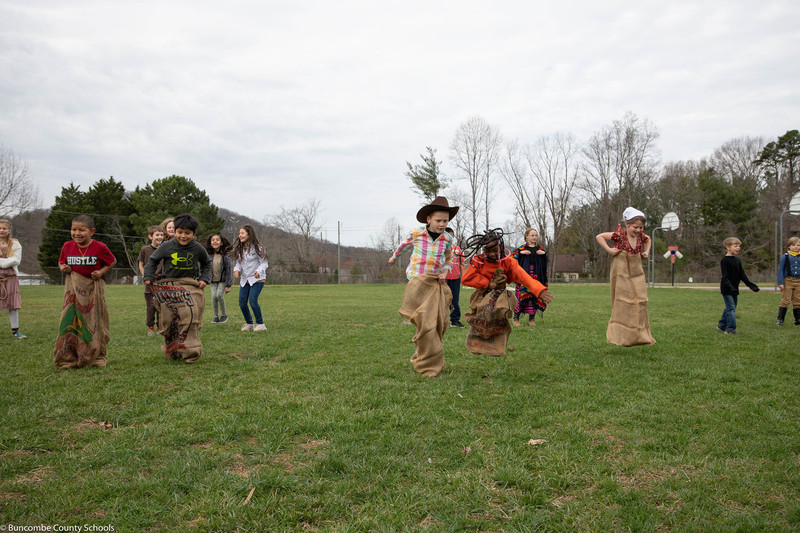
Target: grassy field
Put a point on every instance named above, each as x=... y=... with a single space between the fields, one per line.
x=321 y=424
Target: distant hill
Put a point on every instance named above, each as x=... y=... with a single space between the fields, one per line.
x=28 y=228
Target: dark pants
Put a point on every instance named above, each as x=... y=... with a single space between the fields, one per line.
x=728 y=320
x=249 y=293
x=455 y=288
x=151 y=310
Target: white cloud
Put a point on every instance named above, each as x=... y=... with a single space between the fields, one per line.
x=270 y=104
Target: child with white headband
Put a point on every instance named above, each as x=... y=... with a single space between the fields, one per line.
x=629 y=324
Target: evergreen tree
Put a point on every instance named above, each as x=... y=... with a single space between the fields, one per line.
x=56 y=232
x=172 y=196
x=426 y=178
x=108 y=203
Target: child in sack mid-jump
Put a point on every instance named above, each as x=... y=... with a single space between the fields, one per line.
x=629 y=324
x=491 y=305
x=83 y=331
x=179 y=294
x=427 y=298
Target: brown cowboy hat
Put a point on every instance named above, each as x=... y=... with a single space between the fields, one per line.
x=438 y=204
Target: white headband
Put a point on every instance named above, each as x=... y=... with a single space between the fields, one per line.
x=631 y=212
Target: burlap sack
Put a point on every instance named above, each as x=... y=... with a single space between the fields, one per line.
x=83 y=329
x=489 y=311
x=180 y=303
x=426 y=304
x=629 y=324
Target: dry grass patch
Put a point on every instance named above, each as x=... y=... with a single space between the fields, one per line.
x=92 y=423
x=239 y=467
x=645 y=479
x=12 y=496
x=37 y=475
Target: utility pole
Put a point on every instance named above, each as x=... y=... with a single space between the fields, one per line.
x=339 y=253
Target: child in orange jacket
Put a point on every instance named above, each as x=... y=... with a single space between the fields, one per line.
x=491 y=305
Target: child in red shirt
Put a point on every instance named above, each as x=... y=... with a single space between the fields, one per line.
x=83 y=330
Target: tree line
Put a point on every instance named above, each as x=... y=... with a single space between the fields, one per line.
x=571 y=190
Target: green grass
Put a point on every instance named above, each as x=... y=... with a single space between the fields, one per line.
x=324 y=420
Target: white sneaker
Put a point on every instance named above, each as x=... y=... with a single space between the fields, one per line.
x=260 y=327
x=247 y=327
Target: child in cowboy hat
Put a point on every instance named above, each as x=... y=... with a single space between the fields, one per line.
x=426 y=302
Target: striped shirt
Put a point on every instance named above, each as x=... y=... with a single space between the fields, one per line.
x=429 y=256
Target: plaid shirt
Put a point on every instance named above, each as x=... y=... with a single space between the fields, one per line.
x=429 y=256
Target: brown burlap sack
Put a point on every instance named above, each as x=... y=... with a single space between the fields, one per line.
x=426 y=304
x=180 y=303
x=83 y=329
x=629 y=325
x=489 y=311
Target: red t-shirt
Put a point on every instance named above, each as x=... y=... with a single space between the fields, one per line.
x=455 y=273
x=84 y=261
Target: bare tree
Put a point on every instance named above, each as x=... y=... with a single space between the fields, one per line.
x=620 y=166
x=736 y=160
x=388 y=239
x=304 y=224
x=515 y=174
x=553 y=163
x=18 y=193
x=475 y=151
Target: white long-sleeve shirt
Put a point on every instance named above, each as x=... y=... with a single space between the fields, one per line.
x=15 y=259
x=248 y=265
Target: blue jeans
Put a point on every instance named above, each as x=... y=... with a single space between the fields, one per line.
x=728 y=320
x=249 y=293
x=455 y=288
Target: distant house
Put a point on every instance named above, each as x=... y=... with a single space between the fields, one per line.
x=571 y=266
x=328 y=263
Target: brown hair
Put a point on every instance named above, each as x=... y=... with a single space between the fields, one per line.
x=151 y=230
x=239 y=248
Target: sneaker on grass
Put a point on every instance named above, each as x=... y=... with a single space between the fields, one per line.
x=260 y=327
x=247 y=327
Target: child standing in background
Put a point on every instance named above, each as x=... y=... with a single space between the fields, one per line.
x=156 y=236
x=533 y=260
x=732 y=274
x=789 y=281
x=629 y=324
x=83 y=331
x=251 y=271
x=10 y=258
x=218 y=248
x=168 y=225
x=454 y=282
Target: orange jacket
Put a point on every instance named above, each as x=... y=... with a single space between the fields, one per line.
x=480 y=273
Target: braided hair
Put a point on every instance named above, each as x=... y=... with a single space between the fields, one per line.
x=476 y=243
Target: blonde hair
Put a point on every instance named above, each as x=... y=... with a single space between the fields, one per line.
x=165 y=223
x=530 y=230
x=730 y=241
x=792 y=240
x=9 y=240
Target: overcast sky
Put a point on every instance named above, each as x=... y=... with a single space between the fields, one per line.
x=268 y=104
